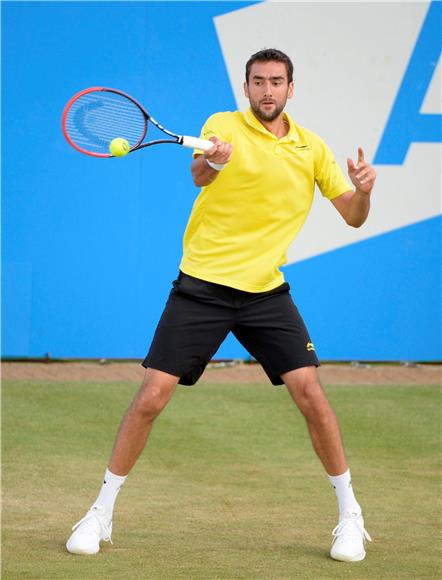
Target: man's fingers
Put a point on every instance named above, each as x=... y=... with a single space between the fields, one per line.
x=363 y=173
x=214 y=149
x=350 y=165
x=225 y=149
x=360 y=163
x=220 y=152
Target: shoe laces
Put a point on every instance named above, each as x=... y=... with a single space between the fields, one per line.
x=93 y=516
x=348 y=523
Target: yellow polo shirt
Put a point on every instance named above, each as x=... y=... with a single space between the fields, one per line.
x=242 y=224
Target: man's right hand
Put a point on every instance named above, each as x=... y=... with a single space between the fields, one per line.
x=202 y=173
x=220 y=152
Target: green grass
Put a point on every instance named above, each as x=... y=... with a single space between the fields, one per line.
x=228 y=486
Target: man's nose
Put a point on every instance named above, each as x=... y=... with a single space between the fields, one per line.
x=268 y=89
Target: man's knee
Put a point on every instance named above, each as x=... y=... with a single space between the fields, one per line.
x=307 y=392
x=154 y=394
x=150 y=402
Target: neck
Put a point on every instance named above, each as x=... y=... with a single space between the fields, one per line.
x=279 y=126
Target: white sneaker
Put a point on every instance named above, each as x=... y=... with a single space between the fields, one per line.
x=349 y=538
x=89 y=531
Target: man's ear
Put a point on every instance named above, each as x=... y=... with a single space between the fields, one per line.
x=291 y=90
x=246 y=90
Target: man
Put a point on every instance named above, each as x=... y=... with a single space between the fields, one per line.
x=257 y=185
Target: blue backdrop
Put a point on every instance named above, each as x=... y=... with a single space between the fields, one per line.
x=90 y=246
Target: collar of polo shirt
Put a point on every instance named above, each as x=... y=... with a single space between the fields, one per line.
x=252 y=121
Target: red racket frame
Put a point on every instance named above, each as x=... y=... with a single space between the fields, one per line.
x=95 y=90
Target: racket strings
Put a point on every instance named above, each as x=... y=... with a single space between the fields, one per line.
x=98 y=117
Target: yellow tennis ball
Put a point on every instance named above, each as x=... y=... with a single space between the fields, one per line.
x=119 y=147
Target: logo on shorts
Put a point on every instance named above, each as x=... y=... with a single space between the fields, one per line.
x=310 y=346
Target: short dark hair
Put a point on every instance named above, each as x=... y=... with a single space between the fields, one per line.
x=270 y=54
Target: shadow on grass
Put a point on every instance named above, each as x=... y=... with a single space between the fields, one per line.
x=305 y=550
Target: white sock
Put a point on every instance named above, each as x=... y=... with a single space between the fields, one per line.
x=344 y=492
x=108 y=494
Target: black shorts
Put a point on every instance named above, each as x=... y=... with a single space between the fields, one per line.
x=199 y=315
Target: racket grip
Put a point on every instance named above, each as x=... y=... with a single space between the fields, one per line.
x=196 y=143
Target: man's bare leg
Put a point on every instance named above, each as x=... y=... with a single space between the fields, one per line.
x=304 y=387
x=349 y=535
x=154 y=394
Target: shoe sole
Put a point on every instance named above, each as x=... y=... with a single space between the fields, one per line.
x=79 y=552
x=344 y=558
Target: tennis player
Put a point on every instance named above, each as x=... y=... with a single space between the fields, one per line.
x=257 y=185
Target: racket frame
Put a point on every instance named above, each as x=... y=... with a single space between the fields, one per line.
x=177 y=139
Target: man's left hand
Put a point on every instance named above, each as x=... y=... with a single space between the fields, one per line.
x=362 y=175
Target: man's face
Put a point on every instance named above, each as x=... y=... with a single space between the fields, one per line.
x=268 y=89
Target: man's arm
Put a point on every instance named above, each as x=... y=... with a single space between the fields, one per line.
x=202 y=172
x=355 y=205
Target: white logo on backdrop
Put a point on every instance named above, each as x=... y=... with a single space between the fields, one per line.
x=349 y=59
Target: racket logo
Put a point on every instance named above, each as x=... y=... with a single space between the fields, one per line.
x=84 y=117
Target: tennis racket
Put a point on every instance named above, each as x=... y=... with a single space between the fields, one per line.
x=95 y=116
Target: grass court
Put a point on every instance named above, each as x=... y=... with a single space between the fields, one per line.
x=227 y=488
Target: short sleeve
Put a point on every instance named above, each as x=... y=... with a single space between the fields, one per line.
x=328 y=175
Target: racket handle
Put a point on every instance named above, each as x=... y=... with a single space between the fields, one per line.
x=196 y=143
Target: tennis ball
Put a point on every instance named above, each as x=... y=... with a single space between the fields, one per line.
x=119 y=147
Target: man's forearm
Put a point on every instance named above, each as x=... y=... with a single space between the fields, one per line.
x=202 y=173
x=358 y=208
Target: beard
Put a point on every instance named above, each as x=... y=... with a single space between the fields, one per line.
x=266 y=115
